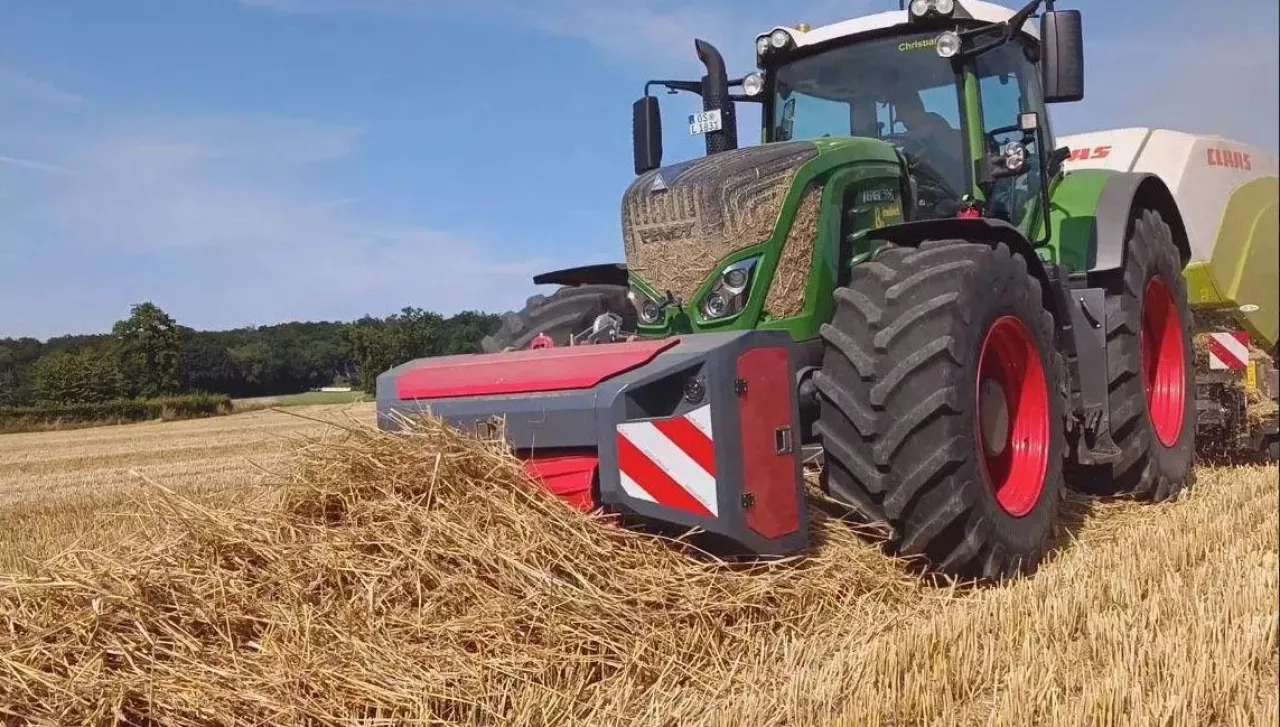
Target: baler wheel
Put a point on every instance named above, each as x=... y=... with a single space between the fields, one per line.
x=568 y=311
x=941 y=407
x=1151 y=372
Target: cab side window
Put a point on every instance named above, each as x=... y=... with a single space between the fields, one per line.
x=1009 y=85
x=809 y=117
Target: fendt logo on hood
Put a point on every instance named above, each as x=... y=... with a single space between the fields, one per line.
x=659 y=184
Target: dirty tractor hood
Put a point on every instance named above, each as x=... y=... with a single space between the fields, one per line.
x=680 y=221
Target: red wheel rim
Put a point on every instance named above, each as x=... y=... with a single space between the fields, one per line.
x=1012 y=416
x=1164 y=362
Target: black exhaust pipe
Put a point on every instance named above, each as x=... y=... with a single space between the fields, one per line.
x=715 y=96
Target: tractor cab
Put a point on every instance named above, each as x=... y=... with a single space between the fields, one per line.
x=957 y=87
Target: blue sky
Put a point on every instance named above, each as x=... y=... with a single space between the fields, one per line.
x=243 y=162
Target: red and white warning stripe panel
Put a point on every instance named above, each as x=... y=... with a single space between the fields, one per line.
x=1229 y=350
x=671 y=462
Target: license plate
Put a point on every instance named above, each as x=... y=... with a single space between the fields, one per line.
x=704 y=122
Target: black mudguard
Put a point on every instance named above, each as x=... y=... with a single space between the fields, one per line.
x=911 y=234
x=601 y=274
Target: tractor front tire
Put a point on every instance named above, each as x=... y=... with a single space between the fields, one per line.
x=1150 y=372
x=941 y=407
x=566 y=312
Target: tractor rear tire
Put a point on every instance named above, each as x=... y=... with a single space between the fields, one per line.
x=566 y=312
x=921 y=341
x=1150 y=372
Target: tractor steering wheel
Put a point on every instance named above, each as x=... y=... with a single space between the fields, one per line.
x=935 y=192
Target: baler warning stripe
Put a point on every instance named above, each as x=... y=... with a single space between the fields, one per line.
x=1229 y=350
x=689 y=438
x=665 y=490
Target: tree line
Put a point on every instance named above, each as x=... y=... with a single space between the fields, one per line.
x=149 y=355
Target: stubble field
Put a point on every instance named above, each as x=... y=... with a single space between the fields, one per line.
x=451 y=595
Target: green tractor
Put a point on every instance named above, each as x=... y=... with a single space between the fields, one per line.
x=979 y=326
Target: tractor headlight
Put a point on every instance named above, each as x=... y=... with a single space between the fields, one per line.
x=716 y=305
x=729 y=294
x=647 y=309
x=779 y=39
x=948 y=44
x=762 y=45
x=1015 y=156
x=753 y=84
x=920 y=9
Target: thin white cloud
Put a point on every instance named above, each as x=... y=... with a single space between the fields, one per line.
x=1191 y=67
x=22 y=87
x=34 y=165
x=217 y=219
x=657 y=32
x=660 y=33
x=389 y=8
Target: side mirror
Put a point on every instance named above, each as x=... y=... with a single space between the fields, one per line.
x=1062 y=51
x=646 y=134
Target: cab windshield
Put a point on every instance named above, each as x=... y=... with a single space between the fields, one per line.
x=897 y=89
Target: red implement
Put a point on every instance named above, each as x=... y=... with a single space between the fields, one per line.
x=568 y=477
x=526 y=372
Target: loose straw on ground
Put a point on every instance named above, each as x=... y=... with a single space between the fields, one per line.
x=416 y=576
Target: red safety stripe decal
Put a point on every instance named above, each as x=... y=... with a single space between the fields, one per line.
x=655 y=480
x=689 y=438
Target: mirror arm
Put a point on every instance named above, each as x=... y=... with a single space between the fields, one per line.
x=1057 y=159
x=976 y=52
x=1023 y=15
x=673 y=86
x=1008 y=29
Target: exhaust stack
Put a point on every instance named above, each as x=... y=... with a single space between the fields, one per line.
x=715 y=96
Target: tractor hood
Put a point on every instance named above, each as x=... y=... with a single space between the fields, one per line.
x=680 y=221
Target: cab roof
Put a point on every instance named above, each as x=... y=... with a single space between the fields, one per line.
x=965 y=9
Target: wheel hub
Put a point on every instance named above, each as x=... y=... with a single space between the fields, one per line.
x=995 y=417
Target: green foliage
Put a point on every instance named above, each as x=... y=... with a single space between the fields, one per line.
x=280 y=360
x=17 y=357
x=18 y=418
x=148 y=347
x=81 y=376
x=377 y=345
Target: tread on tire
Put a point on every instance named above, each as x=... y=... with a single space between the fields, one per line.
x=1147 y=469
x=568 y=311
x=898 y=395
